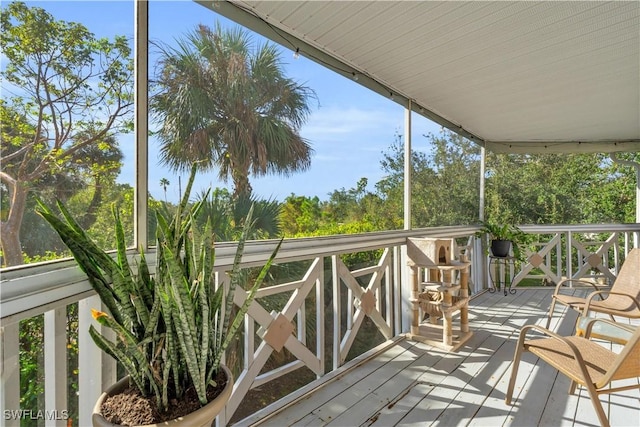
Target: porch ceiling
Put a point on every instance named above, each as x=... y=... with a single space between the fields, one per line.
x=517 y=76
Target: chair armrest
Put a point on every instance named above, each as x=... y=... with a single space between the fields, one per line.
x=552 y=335
x=538 y=328
x=561 y=284
x=607 y=292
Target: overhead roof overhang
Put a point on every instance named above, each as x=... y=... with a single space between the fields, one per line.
x=514 y=76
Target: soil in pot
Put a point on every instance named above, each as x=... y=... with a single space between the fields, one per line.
x=131 y=408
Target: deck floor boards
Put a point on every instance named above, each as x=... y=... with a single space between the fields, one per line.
x=415 y=384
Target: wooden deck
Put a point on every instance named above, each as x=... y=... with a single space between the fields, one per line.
x=409 y=383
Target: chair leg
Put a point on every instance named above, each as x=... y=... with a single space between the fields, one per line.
x=572 y=387
x=553 y=306
x=514 y=371
x=597 y=405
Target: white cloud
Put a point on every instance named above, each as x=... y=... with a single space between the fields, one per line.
x=334 y=122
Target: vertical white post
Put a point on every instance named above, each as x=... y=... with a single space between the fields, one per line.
x=405 y=285
x=10 y=371
x=302 y=322
x=479 y=263
x=141 y=124
x=407 y=167
x=108 y=363
x=388 y=289
x=320 y=316
x=397 y=311
x=337 y=315
x=569 y=256
x=559 y=257
x=55 y=365
x=350 y=309
x=249 y=341
x=89 y=355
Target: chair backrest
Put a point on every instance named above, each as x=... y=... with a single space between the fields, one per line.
x=627 y=363
x=628 y=280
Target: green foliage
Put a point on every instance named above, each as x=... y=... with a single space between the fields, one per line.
x=300 y=215
x=559 y=189
x=444 y=178
x=66 y=95
x=499 y=231
x=228 y=214
x=504 y=231
x=172 y=328
x=48 y=256
x=32 y=363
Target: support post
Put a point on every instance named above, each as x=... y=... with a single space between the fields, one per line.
x=141 y=123
x=407 y=167
x=89 y=378
x=405 y=280
x=480 y=261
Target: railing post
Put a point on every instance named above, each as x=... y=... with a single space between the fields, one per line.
x=406 y=306
x=10 y=371
x=109 y=365
x=320 y=317
x=335 y=279
x=89 y=355
x=569 y=255
x=55 y=366
x=388 y=291
x=397 y=295
x=479 y=263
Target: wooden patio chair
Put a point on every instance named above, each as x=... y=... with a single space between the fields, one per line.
x=623 y=299
x=584 y=361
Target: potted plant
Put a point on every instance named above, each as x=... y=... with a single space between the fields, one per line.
x=172 y=327
x=503 y=237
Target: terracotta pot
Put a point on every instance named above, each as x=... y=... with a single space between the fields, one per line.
x=203 y=417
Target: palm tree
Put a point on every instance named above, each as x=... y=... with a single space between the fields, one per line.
x=226 y=106
x=164 y=182
x=227 y=214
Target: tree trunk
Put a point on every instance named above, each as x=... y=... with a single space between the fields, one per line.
x=240 y=182
x=90 y=217
x=10 y=232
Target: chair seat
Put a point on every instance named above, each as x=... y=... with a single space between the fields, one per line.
x=570 y=300
x=597 y=358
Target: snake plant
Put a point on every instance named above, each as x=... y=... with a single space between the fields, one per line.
x=172 y=327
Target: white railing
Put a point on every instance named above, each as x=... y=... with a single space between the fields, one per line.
x=577 y=252
x=377 y=292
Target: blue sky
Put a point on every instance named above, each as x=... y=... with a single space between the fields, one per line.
x=349 y=126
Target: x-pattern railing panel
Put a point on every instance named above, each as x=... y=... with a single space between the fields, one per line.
x=542 y=261
x=361 y=302
x=594 y=259
x=589 y=254
x=277 y=332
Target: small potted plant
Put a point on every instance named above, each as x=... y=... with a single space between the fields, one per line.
x=172 y=327
x=503 y=238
